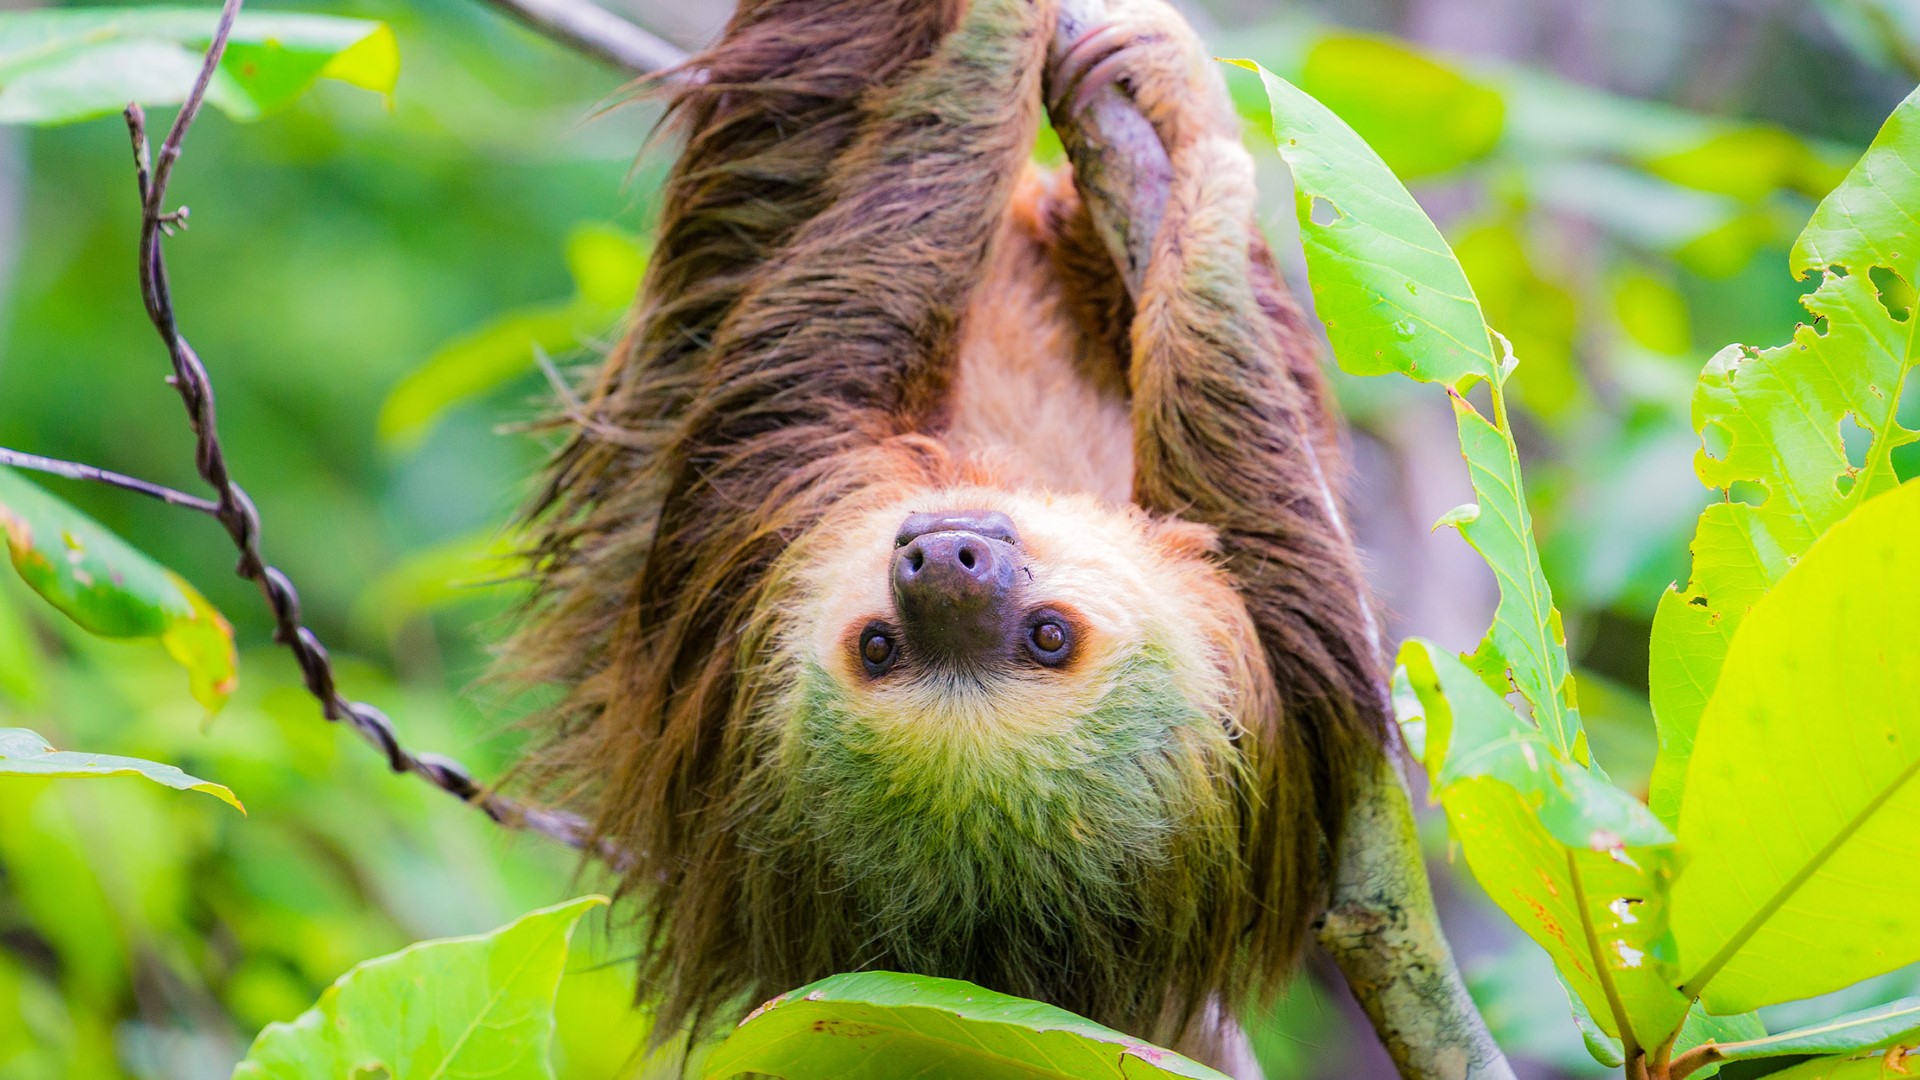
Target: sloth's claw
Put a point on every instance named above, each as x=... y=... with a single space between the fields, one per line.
x=1089 y=64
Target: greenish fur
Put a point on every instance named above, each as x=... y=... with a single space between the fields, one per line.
x=1099 y=844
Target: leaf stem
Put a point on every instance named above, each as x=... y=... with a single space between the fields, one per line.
x=1605 y=974
x=1693 y=1060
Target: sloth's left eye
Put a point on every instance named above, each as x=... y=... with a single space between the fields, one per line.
x=1049 y=638
x=877 y=650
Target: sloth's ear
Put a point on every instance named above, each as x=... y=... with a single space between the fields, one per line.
x=1183 y=539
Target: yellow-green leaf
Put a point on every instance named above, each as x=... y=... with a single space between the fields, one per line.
x=24 y=753
x=1802 y=798
x=112 y=590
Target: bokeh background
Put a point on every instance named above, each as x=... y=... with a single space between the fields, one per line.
x=365 y=277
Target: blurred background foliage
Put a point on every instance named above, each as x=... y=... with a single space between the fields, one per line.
x=371 y=281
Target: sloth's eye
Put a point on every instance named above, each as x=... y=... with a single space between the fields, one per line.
x=876 y=650
x=1048 y=638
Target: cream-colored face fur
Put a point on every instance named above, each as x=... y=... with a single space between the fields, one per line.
x=1132 y=587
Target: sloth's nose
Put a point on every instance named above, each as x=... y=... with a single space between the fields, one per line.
x=951 y=588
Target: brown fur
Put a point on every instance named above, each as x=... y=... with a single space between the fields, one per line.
x=860 y=292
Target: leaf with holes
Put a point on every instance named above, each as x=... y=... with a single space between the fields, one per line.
x=69 y=64
x=489 y=1012
x=1802 y=794
x=1782 y=414
x=24 y=753
x=111 y=590
x=1580 y=865
x=1394 y=298
x=874 y=1025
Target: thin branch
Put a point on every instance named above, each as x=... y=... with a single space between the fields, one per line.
x=73 y=470
x=597 y=32
x=235 y=510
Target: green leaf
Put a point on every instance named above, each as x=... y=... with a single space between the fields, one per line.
x=1394 y=298
x=1881 y=1025
x=1422 y=116
x=1580 y=865
x=74 y=63
x=1892 y=1065
x=24 y=753
x=1780 y=413
x=876 y=1025
x=606 y=265
x=459 y=1007
x=1801 y=798
x=111 y=590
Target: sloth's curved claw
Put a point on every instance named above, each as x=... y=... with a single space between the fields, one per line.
x=1087 y=65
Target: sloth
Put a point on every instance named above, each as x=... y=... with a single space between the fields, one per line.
x=923 y=589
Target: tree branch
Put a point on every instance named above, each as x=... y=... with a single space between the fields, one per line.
x=596 y=32
x=76 y=471
x=235 y=510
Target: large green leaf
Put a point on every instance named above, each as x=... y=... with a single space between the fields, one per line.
x=1580 y=865
x=112 y=590
x=1801 y=805
x=1394 y=298
x=877 y=1025
x=24 y=753
x=1780 y=413
x=478 y=1006
x=74 y=63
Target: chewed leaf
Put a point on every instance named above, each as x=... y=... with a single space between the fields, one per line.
x=1385 y=284
x=876 y=1025
x=24 y=753
x=1580 y=865
x=109 y=589
x=1394 y=298
x=1776 y=421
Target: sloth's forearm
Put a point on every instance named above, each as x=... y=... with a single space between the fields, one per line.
x=860 y=311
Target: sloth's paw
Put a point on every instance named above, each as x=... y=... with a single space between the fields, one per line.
x=1146 y=50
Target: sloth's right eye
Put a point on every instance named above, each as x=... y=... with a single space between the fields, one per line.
x=877 y=650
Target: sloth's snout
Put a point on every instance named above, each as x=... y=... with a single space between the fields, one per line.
x=952 y=588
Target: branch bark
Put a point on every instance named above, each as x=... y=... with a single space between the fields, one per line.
x=1382 y=930
x=596 y=32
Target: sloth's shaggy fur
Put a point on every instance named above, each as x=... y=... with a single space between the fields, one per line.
x=864 y=303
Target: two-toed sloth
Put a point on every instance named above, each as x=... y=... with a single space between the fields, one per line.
x=923 y=599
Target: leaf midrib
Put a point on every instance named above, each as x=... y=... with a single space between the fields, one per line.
x=1693 y=987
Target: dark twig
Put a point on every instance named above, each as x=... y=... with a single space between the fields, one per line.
x=597 y=32
x=76 y=471
x=236 y=512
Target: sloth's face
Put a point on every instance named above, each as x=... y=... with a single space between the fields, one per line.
x=983 y=616
x=1003 y=706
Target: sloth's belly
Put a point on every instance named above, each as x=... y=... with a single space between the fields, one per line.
x=1034 y=401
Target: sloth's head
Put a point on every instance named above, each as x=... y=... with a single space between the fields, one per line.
x=1011 y=711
